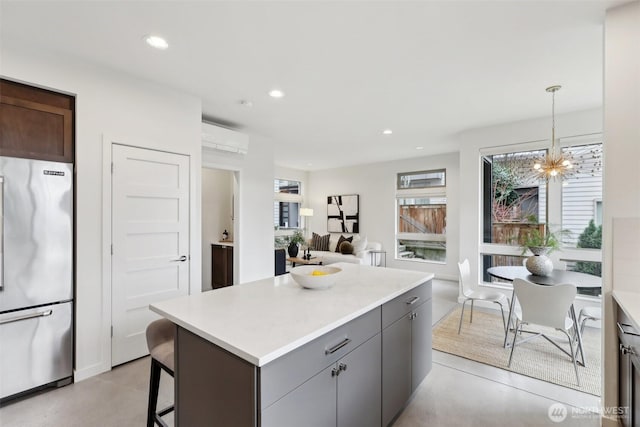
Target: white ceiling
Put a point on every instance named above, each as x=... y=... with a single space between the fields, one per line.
x=428 y=70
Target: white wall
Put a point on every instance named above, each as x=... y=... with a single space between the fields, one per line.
x=622 y=174
x=135 y=111
x=376 y=185
x=253 y=241
x=217 y=194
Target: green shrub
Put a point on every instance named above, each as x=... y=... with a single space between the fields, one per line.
x=591 y=238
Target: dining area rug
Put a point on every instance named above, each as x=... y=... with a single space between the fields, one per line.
x=482 y=341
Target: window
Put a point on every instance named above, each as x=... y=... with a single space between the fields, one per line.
x=286 y=214
x=283 y=186
x=514 y=203
x=286 y=204
x=582 y=206
x=582 y=197
x=421 y=216
x=423 y=179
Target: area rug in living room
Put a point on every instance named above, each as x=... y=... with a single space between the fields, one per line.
x=482 y=341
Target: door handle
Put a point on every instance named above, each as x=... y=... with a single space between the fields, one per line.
x=26 y=316
x=183 y=258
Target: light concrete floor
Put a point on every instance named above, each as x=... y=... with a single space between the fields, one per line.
x=457 y=392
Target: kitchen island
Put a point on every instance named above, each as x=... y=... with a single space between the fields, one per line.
x=270 y=353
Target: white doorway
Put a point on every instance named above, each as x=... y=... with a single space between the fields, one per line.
x=219 y=207
x=150 y=241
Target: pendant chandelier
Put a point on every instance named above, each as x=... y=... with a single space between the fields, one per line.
x=554 y=164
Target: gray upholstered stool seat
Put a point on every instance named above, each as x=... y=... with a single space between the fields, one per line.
x=160 y=341
x=160 y=338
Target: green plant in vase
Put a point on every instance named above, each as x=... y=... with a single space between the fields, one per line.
x=296 y=239
x=540 y=244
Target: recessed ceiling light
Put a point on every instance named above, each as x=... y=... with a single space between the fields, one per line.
x=246 y=103
x=276 y=93
x=419 y=148
x=156 y=41
x=387 y=131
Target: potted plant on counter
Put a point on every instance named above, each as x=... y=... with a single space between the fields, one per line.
x=540 y=244
x=295 y=239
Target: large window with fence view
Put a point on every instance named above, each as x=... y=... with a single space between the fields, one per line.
x=516 y=203
x=421 y=225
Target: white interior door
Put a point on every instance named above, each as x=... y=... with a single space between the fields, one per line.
x=150 y=237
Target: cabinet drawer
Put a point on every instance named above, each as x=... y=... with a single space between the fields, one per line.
x=289 y=371
x=398 y=307
x=626 y=331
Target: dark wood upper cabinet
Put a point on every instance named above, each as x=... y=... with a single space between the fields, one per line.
x=36 y=123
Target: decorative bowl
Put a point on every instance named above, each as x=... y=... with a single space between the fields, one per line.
x=304 y=276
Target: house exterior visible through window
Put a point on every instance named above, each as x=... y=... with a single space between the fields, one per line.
x=515 y=203
x=286 y=204
x=421 y=224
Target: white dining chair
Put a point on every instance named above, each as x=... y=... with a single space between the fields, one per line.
x=548 y=306
x=471 y=293
x=588 y=313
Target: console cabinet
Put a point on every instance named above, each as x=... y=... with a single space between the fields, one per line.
x=221 y=266
x=35 y=123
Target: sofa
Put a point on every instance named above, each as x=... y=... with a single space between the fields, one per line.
x=361 y=245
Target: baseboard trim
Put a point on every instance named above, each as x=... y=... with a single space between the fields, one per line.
x=90 y=371
x=607 y=421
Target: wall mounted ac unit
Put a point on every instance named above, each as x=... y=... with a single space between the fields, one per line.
x=222 y=139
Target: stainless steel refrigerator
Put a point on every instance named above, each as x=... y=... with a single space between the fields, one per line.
x=36 y=274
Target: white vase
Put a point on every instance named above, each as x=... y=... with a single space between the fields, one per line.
x=539 y=264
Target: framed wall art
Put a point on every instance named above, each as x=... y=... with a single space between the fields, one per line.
x=343 y=214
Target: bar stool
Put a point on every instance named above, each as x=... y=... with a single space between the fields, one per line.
x=160 y=339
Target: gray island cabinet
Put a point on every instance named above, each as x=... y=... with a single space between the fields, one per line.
x=270 y=353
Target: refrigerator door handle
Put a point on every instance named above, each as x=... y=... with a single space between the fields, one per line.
x=27 y=316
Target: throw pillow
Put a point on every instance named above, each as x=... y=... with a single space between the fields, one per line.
x=343 y=239
x=346 y=248
x=360 y=245
x=320 y=243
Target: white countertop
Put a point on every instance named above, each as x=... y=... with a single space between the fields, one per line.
x=223 y=243
x=630 y=303
x=263 y=320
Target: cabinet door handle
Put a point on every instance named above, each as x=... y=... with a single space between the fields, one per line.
x=626 y=349
x=627 y=332
x=342 y=366
x=183 y=258
x=337 y=346
x=413 y=300
x=335 y=372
